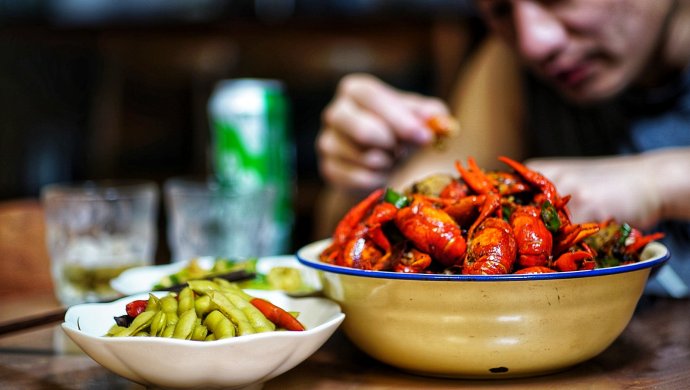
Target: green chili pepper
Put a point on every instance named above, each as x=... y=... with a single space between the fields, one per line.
x=625 y=231
x=606 y=262
x=507 y=211
x=549 y=215
x=397 y=199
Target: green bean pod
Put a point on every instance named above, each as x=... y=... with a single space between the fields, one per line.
x=203 y=286
x=168 y=303
x=115 y=329
x=258 y=321
x=153 y=303
x=233 y=287
x=223 y=284
x=204 y=310
x=185 y=300
x=158 y=323
x=139 y=323
x=220 y=326
x=200 y=331
x=202 y=305
x=235 y=315
x=185 y=325
x=169 y=330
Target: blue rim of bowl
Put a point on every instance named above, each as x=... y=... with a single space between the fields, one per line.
x=317 y=246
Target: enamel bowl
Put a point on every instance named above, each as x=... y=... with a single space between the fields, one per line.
x=467 y=326
x=239 y=362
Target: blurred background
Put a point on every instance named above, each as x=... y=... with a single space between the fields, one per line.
x=94 y=89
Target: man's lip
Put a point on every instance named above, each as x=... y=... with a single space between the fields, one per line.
x=571 y=76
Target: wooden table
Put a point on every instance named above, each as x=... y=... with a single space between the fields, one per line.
x=653 y=352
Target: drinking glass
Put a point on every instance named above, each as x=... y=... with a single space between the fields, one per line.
x=94 y=231
x=205 y=219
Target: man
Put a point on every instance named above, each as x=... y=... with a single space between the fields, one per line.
x=600 y=86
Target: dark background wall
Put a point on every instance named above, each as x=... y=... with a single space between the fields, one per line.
x=118 y=89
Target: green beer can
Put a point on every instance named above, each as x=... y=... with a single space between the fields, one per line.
x=252 y=149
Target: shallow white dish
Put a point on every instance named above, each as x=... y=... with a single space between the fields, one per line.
x=229 y=363
x=141 y=279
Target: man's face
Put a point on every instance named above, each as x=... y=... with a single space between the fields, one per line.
x=588 y=49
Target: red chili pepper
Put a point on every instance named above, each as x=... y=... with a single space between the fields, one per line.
x=641 y=241
x=275 y=314
x=135 y=308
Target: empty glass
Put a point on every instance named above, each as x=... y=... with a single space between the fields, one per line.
x=205 y=219
x=96 y=230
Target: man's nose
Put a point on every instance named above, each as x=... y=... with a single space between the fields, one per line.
x=539 y=32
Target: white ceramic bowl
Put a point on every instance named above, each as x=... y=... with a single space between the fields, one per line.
x=229 y=363
x=480 y=326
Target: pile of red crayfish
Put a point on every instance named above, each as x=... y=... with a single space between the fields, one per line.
x=480 y=223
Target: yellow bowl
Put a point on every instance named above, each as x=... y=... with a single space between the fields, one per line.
x=485 y=326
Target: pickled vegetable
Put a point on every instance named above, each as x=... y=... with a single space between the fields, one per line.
x=203 y=311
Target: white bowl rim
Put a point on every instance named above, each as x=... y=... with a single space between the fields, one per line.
x=308 y=255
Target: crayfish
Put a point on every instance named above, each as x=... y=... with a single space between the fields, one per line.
x=479 y=222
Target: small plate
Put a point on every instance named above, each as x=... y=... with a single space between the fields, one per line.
x=142 y=279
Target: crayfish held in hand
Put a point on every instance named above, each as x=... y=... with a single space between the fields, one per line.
x=480 y=222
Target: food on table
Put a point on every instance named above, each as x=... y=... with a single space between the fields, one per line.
x=203 y=311
x=286 y=279
x=194 y=270
x=479 y=223
x=278 y=278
